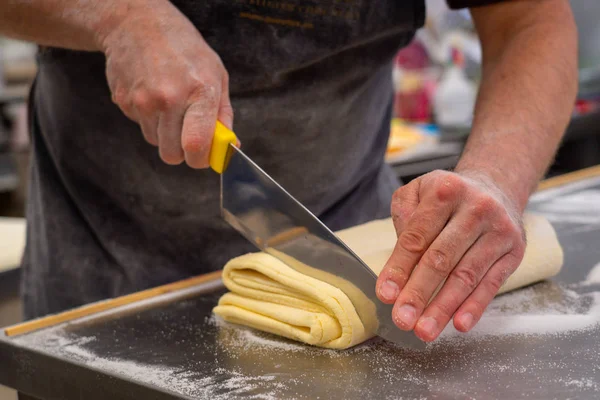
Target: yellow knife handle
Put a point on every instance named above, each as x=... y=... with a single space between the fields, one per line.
x=220 y=145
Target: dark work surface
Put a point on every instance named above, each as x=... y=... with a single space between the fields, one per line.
x=542 y=342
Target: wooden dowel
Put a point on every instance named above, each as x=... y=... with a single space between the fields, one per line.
x=570 y=177
x=105 y=305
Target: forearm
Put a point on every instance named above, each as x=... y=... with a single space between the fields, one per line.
x=73 y=24
x=525 y=101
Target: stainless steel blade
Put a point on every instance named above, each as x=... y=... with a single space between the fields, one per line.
x=268 y=216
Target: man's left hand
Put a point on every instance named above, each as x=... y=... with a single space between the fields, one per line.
x=459 y=233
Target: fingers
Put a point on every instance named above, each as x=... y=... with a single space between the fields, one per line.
x=179 y=118
x=199 y=127
x=425 y=224
x=182 y=132
x=461 y=282
x=404 y=205
x=473 y=307
x=149 y=130
x=458 y=241
x=158 y=111
x=170 y=125
x=140 y=109
x=435 y=265
x=200 y=119
x=225 y=114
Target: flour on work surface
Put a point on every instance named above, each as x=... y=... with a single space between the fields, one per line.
x=217 y=387
x=545 y=309
x=246 y=337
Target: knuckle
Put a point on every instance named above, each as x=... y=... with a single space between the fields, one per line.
x=166 y=95
x=438 y=261
x=195 y=144
x=445 y=310
x=413 y=241
x=142 y=100
x=207 y=91
x=449 y=188
x=496 y=280
x=484 y=206
x=416 y=298
x=507 y=228
x=468 y=277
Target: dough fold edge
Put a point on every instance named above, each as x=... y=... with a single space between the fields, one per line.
x=268 y=295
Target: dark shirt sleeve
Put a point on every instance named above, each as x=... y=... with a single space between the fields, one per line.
x=457 y=4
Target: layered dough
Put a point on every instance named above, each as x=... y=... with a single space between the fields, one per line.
x=267 y=294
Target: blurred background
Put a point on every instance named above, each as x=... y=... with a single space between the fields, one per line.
x=435 y=81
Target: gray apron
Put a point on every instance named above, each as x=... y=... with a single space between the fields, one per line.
x=312 y=92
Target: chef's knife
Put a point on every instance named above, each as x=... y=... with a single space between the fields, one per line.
x=275 y=222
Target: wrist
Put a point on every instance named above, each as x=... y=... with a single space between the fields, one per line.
x=128 y=17
x=512 y=186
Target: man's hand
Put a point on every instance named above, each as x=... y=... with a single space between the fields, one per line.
x=456 y=231
x=163 y=75
x=161 y=72
x=463 y=229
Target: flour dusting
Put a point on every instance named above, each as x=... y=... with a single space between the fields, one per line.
x=177 y=380
x=533 y=311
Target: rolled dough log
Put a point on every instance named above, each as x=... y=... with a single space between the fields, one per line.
x=268 y=295
x=12 y=242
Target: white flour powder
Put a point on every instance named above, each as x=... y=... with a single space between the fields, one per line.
x=163 y=377
x=532 y=311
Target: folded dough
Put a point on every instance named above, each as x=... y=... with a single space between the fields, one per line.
x=268 y=295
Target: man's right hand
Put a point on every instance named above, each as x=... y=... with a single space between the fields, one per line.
x=164 y=76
